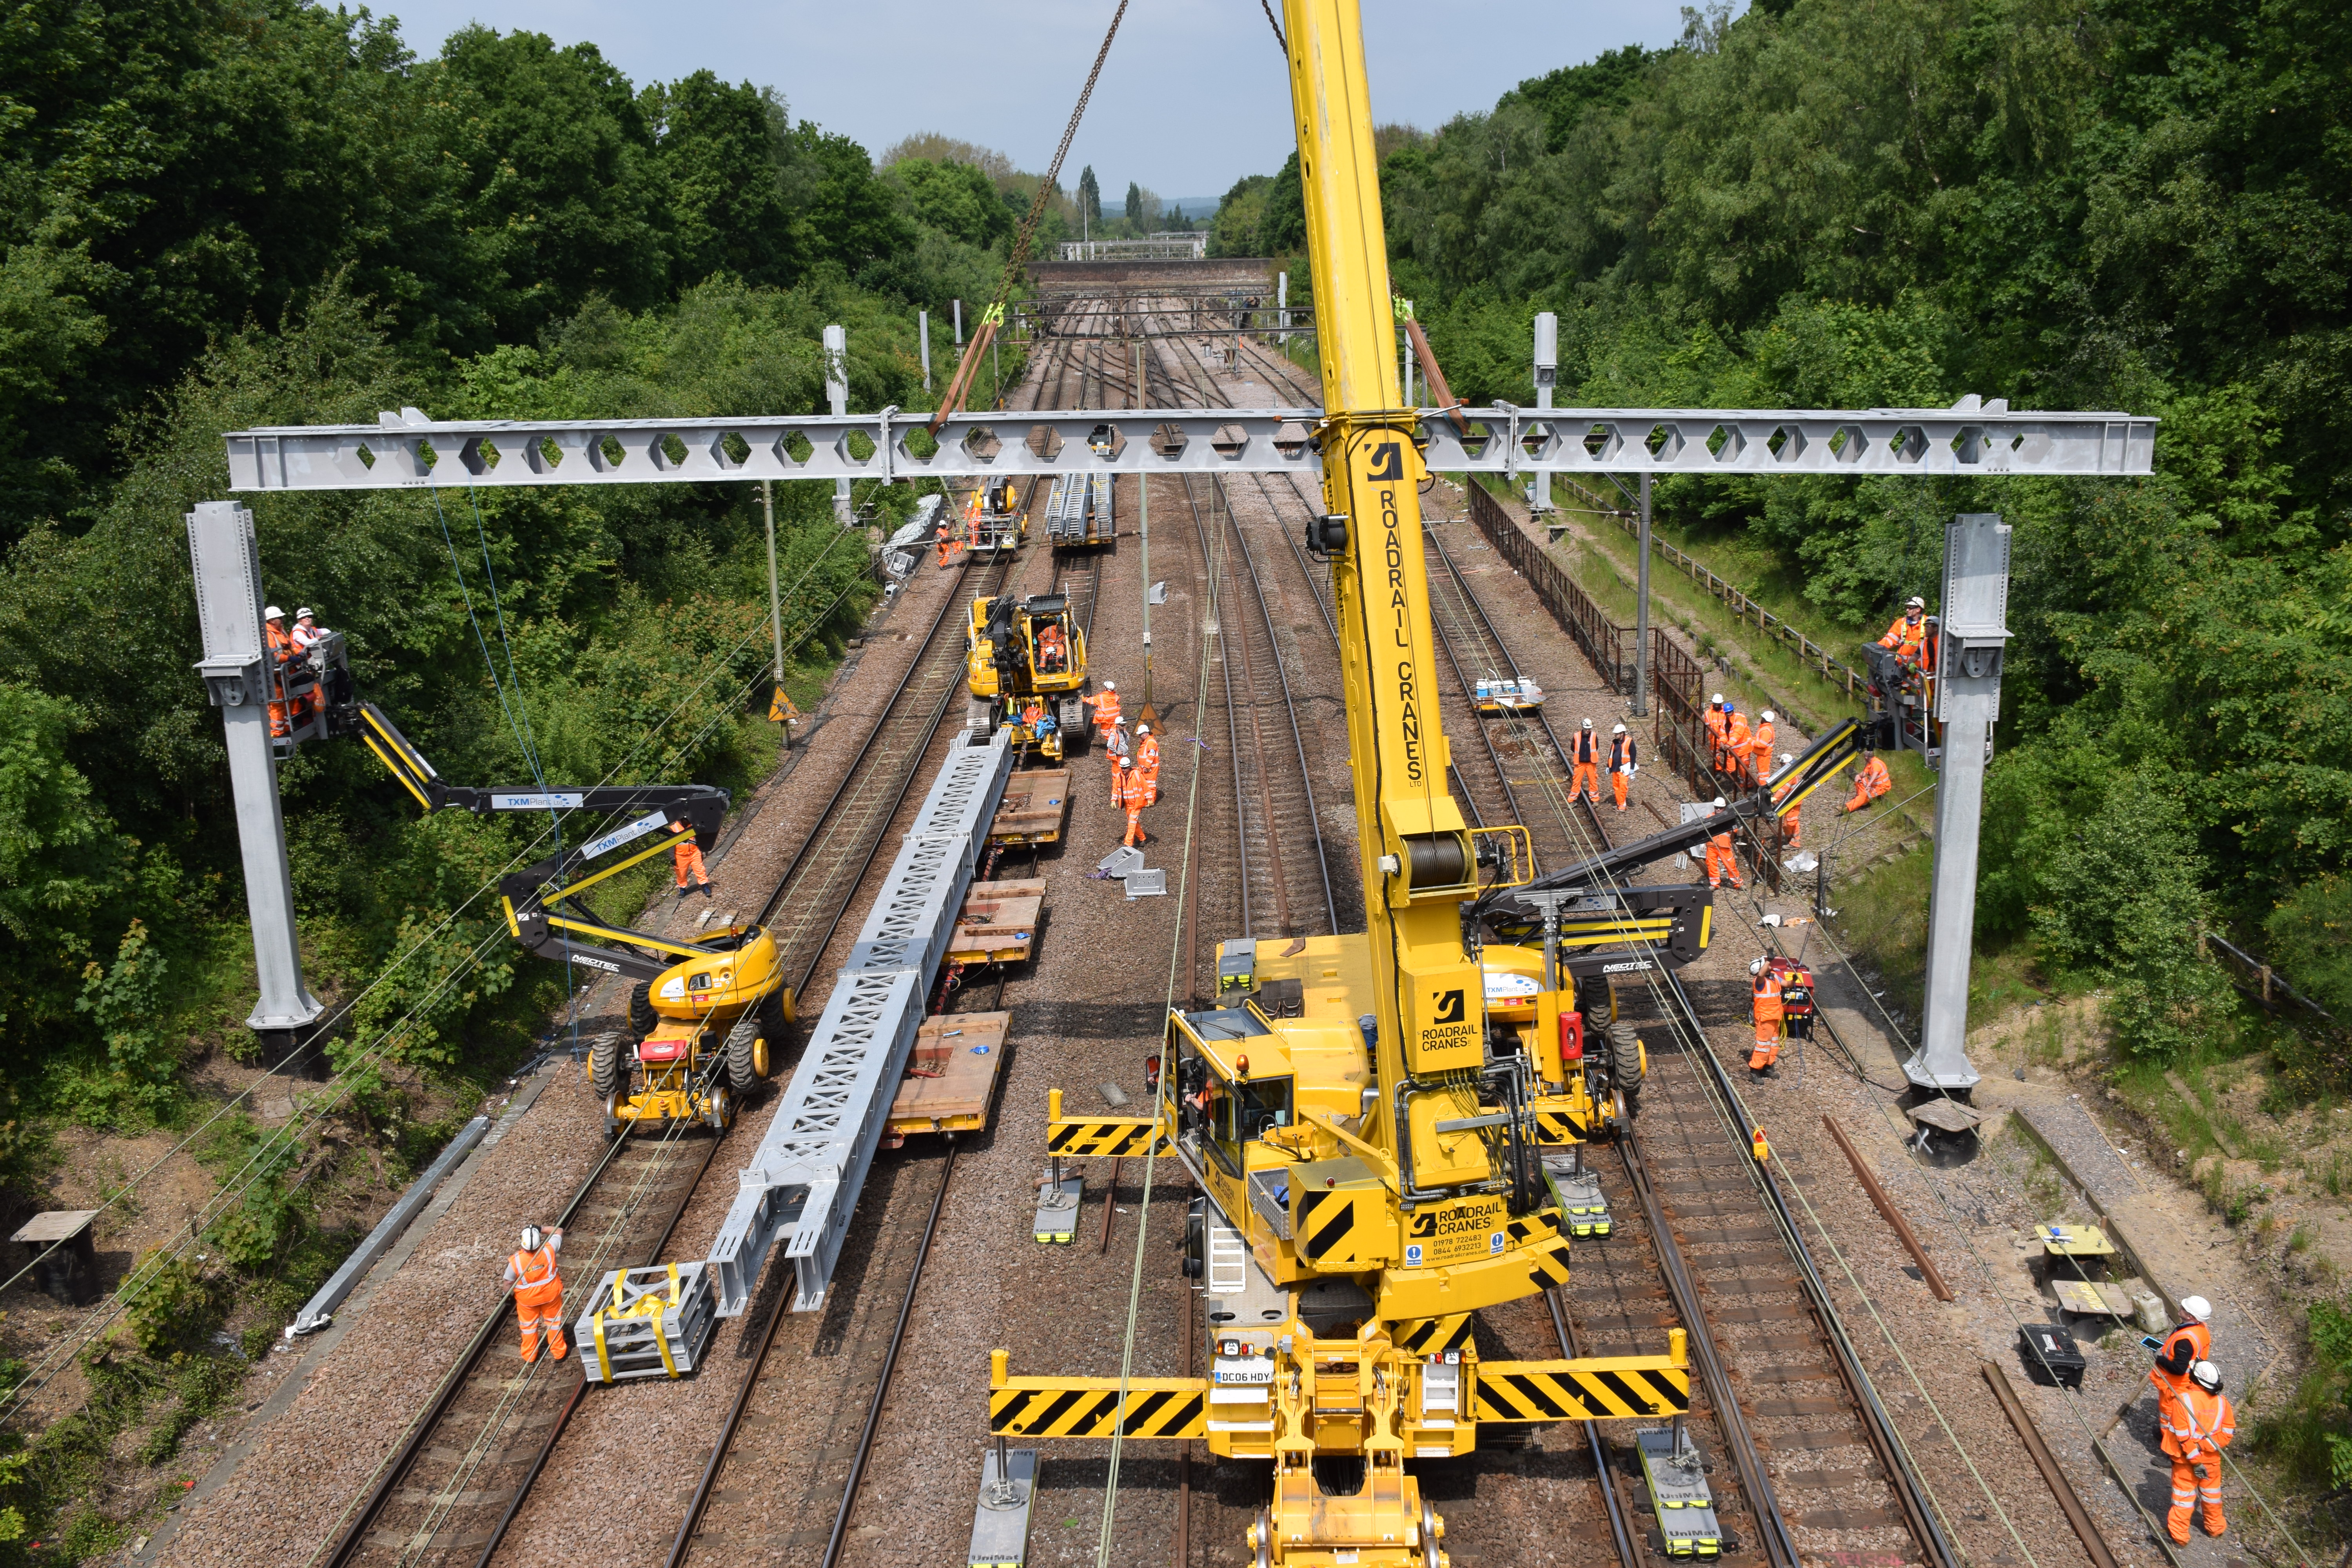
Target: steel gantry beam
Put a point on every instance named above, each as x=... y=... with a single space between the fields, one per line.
x=408 y=451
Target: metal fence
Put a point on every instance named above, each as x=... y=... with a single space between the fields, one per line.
x=1609 y=646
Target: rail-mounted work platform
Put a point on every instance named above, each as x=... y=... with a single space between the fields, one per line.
x=801 y=1182
x=999 y=923
x=1035 y=807
x=950 y=1075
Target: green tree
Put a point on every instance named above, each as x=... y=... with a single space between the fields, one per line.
x=1089 y=196
x=1134 y=204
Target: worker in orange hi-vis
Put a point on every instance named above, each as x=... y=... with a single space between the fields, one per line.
x=1147 y=763
x=2196 y=1427
x=1118 y=771
x=1584 y=752
x=280 y=652
x=1768 y=1013
x=1870 y=784
x=1105 y=706
x=944 y=536
x=1792 y=821
x=1624 y=761
x=1713 y=719
x=1118 y=742
x=1722 y=860
x=687 y=858
x=1908 y=636
x=1051 y=650
x=1759 y=759
x=538 y=1290
x=1134 y=795
x=1734 y=741
x=2190 y=1342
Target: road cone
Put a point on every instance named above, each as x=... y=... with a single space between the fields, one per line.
x=1762 y=1150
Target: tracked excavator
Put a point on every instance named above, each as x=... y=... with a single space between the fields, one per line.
x=1385 y=1126
x=708 y=1016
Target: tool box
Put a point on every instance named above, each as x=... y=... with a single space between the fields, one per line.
x=2052 y=1357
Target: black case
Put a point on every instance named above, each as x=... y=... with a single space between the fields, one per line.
x=2051 y=1356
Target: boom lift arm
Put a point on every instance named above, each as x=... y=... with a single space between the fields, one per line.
x=527 y=893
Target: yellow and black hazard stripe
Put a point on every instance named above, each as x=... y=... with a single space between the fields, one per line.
x=1547 y=1262
x=1559 y=1127
x=1534 y=1227
x=1088 y=1411
x=1561 y=1394
x=1109 y=1139
x=1328 y=1223
x=1427 y=1336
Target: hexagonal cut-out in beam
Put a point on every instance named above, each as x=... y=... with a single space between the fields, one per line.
x=1230 y=442
x=793 y=449
x=1476 y=441
x=1724 y=443
x=1847 y=443
x=1169 y=441
x=1663 y=443
x=1910 y=444
x=1107 y=440
x=365 y=454
x=729 y=449
x=1970 y=445
x=1787 y=443
x=669 y=451
x=1601 y=442
x=1045 y=442
x=606 y=454
x=980 y=445
x=1291 y=439
x=855 y=447
x=1536 y=439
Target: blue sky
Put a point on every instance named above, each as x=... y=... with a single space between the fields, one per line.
x=1193 y=96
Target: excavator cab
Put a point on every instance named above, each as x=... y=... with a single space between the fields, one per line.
x=1025 y=653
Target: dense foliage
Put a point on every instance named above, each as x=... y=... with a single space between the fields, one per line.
x=223 y=213
x=2090 y=204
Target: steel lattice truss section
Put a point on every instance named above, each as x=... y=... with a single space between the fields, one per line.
x=407 y=451
x=807 y=1173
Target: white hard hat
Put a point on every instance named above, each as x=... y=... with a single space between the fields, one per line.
x=1720 y=803
x=1588 y=723
x=1915 y=603
x=1769 y=719
x=1756 y=967
x=2198 y=1307
x=273 y=613
x=1716 y=699
x=1786 y=758
x=1143 y=729
x=1617 y=730
x=1110 y=686
x=531 y=1238
x=2207 y=1375
x=304 y=614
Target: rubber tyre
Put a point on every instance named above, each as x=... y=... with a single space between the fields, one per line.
x=604 y=1066
x=741 y=1071
x=773 y=1021
x=642 y=1016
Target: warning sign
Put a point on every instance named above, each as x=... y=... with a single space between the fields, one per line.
x=1456 y=1232
x=781 y=709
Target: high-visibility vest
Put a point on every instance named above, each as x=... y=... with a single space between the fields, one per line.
x=1713 y=719
x=1759 y=744
x=533 y=1269
x=1586 y=747
x=1734 y=733
x=1767 y=995
x=1147 y=754
x=1623 y=754
x=1874 y=781
x=1906 y=636
x=2198 y=1424
x=1106 y=707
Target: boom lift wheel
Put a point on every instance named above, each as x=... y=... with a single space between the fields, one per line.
x=642 y=1016
x=604 y=1066
x=742 y=1051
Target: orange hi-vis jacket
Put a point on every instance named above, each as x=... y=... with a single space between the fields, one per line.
x=1623 y=752
x=1713 y=719
x=1735 y=735
x=1768 y=997
x=2184 y=1347
x=1759 y=747
x=1873 y=781
x=1906 y=637
x=1585 y=748
x=535 y=1274
x=1106 y=707
x=1147 y=755
x=2198 y=1425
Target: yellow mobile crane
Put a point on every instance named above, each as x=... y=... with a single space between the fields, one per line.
x=1366 y=1153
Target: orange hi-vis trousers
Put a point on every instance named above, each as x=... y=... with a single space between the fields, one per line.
x=1722 y=861
x=1617 y=783
x=1586 y=781
x=537 y=1306
x=688 y=858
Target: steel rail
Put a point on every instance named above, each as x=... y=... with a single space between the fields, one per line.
x=353 y=1538
x=1878 y=1427
x=1620 y=1533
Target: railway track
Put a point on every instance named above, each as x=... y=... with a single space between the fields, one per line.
x=868 y=1343
x=447 y=1493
